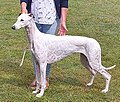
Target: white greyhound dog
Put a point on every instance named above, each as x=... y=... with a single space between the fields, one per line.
x=48 y=48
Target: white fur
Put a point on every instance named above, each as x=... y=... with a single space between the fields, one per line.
x=48 y=48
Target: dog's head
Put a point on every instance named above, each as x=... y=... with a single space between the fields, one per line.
x=22 y=21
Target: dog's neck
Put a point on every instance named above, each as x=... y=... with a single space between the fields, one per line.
x=31 y=30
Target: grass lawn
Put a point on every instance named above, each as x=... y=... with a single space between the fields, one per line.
x=99 y=19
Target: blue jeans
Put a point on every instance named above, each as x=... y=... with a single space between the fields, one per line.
x=48 y=29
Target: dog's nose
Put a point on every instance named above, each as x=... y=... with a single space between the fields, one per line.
x=13 y=27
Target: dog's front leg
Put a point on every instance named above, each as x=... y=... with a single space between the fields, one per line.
x=37 y=71
x=43 y=79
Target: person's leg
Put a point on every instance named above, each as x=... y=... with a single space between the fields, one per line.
x=51 y=29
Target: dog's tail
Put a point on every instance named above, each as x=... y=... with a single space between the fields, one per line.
x=109 y=67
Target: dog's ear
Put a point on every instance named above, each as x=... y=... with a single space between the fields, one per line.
x=31 y=15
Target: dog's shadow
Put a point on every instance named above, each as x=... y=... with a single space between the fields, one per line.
x=69 y=80
x=66 y=81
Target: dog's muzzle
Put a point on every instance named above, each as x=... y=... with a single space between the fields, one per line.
x=13 y=27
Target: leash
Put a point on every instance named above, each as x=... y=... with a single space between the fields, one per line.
x=24 y=52
x=23 y=57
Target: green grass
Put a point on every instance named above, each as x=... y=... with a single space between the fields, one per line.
x=99 y=19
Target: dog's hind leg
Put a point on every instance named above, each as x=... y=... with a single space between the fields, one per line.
x=93 y=77
x=85 y=63
x=104 y=73
x=107 y=77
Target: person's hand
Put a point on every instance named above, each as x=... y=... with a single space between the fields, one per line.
x=23 y=8
x=24 y=11
x=63 y=29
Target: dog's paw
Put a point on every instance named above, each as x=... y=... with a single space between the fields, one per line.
x=104 y=91
x=35 y=92
x=89 y=84
x=39 y=95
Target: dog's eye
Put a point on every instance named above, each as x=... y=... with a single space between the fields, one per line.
x=21 y=20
